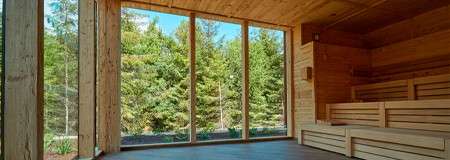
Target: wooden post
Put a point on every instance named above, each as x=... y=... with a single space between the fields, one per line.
x=300 y=136
x=447 y=149
x=348 y=144
x=411 y=90
x=193 y=76
x=109 y=75
x=23 y=80
x=87 y=79
x=289 y=70
x=245 y=81
x=382 y=113
x=328 y=112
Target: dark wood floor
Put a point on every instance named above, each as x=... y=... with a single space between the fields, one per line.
x=270 y=150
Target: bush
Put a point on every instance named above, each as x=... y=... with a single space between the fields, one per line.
x=253 y=132
x=48 y=142
x=64 y=146
x=181 y=137
x=203 y=135
x=234 y=133
x=167 y=139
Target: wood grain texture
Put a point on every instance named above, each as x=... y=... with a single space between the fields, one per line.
x=290 y=92
x=333 y=73
x=245 y=80
x=109 y=75
x=420 y=25
x=356 y=16
x=23 y=86
x=192 y=80
x=87 y=80
x=305 y=110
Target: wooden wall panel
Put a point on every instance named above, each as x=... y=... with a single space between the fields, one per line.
x=23 y=85
x=304 y=102
x=87 y=79
x=426 y=23
x=335 y=68
x=331 y=36
x=423 y=56
x=109 y=75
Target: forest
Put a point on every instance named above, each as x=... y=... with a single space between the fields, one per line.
x=155 y=80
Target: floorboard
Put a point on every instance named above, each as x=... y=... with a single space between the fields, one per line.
x=271 y=150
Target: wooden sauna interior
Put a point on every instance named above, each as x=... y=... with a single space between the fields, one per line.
x=381 y=67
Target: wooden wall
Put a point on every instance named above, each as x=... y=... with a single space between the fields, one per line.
x=412 y=48
x=304 y=91
x=337 y=68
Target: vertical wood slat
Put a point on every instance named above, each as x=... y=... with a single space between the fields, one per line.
x=382 y=113
x=23 y=81
x=348 y=143
x=192 y=86
x=289 y=84
x=87 y=67
x=109 y=75
x=411 y=90
x=245 y=81
x=447 y=149
x=328 y=111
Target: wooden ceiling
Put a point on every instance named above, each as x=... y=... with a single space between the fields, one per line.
x=358 y=16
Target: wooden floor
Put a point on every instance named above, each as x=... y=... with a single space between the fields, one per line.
x=270 y=150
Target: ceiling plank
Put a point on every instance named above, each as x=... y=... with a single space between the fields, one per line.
x=355 y=13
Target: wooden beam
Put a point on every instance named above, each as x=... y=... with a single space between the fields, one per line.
x=87 y=79
x=23 y=80
x=289 y=70
x=193 y=76
x=109 y=75
x=348 y=144
x=447 y=149
x=245 y=81
x=382 y=113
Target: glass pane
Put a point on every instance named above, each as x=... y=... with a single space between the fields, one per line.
x=267 y=97
x=60 y=79
x=155 y=77
x=219 y=72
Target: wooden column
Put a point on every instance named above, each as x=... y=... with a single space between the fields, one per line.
x=348 y=144
x=447 y=149
x=193 y=76
x=109 y=75
x=245 y=81
x=23 y=81
x=289 y=70
x=87 y=79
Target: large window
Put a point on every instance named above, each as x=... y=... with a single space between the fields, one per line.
x=60 y=79
x=267 y=92
x=154 y=78
x=218 y=83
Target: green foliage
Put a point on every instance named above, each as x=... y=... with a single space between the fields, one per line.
x=253 y=132
x=63 y=146
x=155 y=78
x=234 y=133
x=48 y=141
x=168 y=139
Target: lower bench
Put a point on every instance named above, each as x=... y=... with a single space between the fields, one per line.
x=375 y=143
x=331 y=138
x=404 y=144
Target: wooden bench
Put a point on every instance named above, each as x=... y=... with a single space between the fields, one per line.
x=405 y=130
x=335 y=138
x=423 y=88
x=415 y=130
